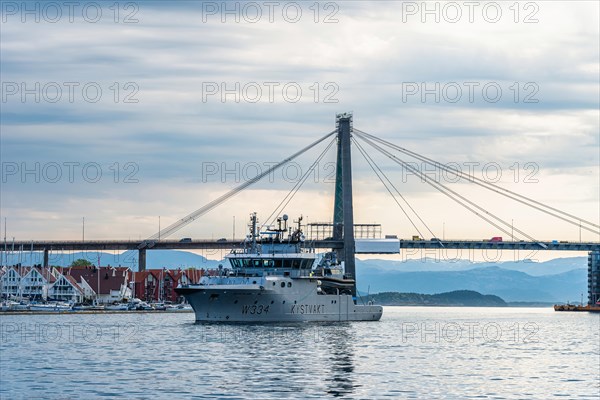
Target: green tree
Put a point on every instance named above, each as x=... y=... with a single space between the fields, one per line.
x=80 y=262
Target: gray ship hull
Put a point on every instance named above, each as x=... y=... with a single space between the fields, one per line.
x=254 y=303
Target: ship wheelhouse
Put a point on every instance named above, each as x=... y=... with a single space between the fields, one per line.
x=272 y=258
x=272 y=253
x=262 y=262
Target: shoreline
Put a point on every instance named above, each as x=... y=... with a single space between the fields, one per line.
x=69 y=312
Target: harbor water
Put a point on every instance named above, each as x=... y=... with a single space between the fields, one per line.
x=412 y=353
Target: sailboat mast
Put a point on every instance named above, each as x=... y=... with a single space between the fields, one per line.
x=5 y=263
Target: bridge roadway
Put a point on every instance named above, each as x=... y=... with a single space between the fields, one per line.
x=73 y=245
x=141 y=246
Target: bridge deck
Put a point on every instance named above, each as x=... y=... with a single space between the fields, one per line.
x=73 y=245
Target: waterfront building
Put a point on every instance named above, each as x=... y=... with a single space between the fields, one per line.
x=66 y=288
x=26 y=282
x=35 y=282
x=104 y=285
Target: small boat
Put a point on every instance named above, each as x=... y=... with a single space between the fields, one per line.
x=180 y=308
x=50 y=307
x=117 y=307
x=79 y=307
x=143 y=306
x=159 y=306
x=82 y=307
x=10 y=305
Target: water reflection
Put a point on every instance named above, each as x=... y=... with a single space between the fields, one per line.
x=338 y=342
x=307 y=358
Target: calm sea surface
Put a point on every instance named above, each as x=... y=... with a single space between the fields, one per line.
x=413 y=352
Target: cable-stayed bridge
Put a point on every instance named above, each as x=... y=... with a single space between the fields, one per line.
x=342 y=238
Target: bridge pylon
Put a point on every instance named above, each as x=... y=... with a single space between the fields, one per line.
x=343 y=214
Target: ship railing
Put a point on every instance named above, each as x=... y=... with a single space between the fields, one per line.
x=257 y=272
x=272 y=271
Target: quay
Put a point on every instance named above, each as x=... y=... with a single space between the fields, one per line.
x=70 y=312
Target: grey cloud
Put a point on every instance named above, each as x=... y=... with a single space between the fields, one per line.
x=368 y=54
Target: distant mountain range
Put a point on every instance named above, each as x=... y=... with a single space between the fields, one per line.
x=556 y=266
x=156 y=259
x=558 y=280
x=510 y=285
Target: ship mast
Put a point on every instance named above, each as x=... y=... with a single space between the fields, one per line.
x=253 y=233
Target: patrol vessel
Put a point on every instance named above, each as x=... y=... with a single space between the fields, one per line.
x=274 y=278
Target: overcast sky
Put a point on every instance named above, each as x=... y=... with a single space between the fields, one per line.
x=138 y=95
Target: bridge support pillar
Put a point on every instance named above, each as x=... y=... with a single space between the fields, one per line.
x=141 y=259
x=593 y=277
x=344 y=125
x=46 y=261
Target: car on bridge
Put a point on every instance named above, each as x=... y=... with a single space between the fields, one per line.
x=185 y=240
x=496 y=239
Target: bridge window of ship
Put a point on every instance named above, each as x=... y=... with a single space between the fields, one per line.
x=282 y=284
x=289 y=284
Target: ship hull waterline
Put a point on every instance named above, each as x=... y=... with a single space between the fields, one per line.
x=254 y=304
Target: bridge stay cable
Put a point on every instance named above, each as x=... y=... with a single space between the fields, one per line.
x=451 y=193
x=554 y=212
x=290 y=195
x=463 y=201
x=380 y=173
x=169 y=230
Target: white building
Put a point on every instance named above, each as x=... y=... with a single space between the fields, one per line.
x=103 y=285
x=65 y=288
x=26 y=282
x=11 y=280
x=35 y=282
